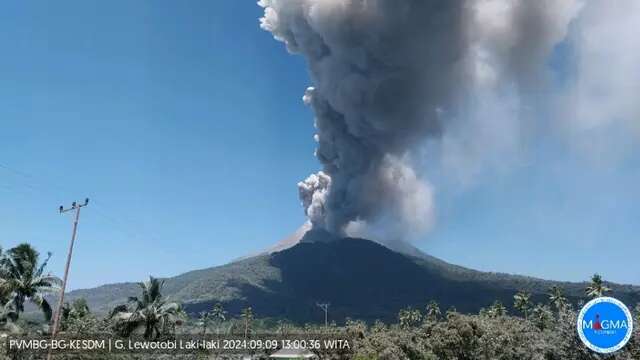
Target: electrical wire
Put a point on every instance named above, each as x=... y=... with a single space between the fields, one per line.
x=28 y=181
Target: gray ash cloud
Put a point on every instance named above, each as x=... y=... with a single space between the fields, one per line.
x=390 y=75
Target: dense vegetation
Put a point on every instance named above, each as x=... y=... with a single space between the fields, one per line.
x=525 y=327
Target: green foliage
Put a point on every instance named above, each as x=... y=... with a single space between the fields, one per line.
x=522 y=302
x=356 y=329
x=204 y=322
x=557 y=298
x=22 y=278
x=77 y=319
x=542 y=316
x=216 y=315
x=546 y=335
x=409 y=317
x=432 y=312
x=495 y=310
x=597 y=288
x=149 y=312
x=78 y=309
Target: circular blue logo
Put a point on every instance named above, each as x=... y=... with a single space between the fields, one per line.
x=605 y=325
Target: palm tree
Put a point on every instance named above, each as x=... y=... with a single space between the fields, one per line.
x=149 y=312
x=433 y=311
x=204 y=321
x=247 y=319
x=522 y=302
x=542 y=316
x=23 y=278
x=597 y=288
x=497 y=309
x=556 y=297
x=218 y=315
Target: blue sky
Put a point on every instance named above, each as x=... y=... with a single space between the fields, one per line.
x=183 y=122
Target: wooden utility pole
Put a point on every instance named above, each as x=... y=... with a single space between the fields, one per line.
x=56 y=317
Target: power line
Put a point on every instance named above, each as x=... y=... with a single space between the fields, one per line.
x=19 y=174
x=119 y=223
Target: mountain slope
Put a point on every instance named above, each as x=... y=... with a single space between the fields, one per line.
x=361 y=279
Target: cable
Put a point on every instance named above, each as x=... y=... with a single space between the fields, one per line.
x=102 y=211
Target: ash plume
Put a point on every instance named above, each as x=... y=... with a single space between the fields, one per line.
x=390 y=75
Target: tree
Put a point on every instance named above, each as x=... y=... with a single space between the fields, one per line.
x=77 y=318
x=247 y=320
x=77 y=310
x=23 y=278
x=556 y=298
x=204 y=321
x=409 y=317
x=542 y=316
x=218 y=315
x=433 y=311
x=522 y=302
x=149 y=312
x=597 y=288
x=497 y=309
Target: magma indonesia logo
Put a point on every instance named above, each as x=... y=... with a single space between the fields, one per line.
x=605 y=325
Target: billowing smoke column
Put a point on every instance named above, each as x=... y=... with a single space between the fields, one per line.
x=389 y=75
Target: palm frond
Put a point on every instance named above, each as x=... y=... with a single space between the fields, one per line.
x=118 y=310
x=43 y=265
x=25 y=258
x=43 y=304
x=51 y=279
x=171 y=308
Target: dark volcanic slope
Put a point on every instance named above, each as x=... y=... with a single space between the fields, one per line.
x=361 y=279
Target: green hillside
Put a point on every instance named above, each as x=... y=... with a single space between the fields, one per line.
x=361 y=279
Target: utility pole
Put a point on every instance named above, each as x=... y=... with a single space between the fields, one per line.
x=325 y=308
x=56 y=319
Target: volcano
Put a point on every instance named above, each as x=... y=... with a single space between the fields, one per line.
x=361 y=279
